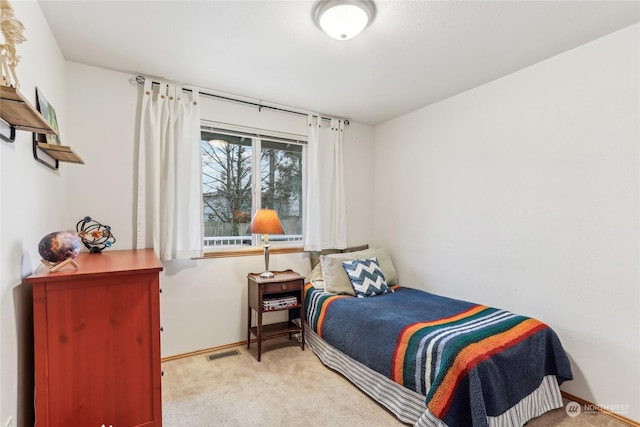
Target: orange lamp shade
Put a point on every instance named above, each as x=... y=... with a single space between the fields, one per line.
x=265 y=221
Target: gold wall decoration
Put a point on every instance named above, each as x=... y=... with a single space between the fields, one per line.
x=12 y=30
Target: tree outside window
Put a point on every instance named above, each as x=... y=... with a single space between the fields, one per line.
x=229 y=182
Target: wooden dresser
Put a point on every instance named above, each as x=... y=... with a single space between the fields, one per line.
x=97 y=341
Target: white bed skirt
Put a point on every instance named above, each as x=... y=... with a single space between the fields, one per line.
x=406 y=404
x=410 y=406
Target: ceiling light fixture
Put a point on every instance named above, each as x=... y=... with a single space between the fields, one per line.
x=343 y=19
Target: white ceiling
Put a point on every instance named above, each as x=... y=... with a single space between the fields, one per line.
x=413 y=54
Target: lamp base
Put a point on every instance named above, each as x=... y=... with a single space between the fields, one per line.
x=266 y=274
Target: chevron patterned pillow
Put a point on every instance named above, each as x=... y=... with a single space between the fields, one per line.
x=366 y=277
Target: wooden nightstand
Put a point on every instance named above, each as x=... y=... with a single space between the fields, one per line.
x=275 y=294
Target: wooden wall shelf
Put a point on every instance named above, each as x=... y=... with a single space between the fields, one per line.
x=20 y=114
x=60 y=152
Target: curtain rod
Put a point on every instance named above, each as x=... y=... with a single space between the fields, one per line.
x=141 y=80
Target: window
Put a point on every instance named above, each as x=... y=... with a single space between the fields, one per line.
x=243 y=172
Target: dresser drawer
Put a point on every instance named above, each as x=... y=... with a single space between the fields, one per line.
x=292 y=285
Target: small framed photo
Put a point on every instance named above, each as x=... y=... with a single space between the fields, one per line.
x=49 y=113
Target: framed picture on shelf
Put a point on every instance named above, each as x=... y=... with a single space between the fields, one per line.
x=49 y=113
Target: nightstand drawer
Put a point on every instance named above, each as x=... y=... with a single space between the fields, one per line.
x=293 y=285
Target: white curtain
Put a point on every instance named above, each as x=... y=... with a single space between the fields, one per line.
x=169 y=211
x=325 y=218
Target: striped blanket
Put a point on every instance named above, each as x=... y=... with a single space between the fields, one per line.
x=472 y=362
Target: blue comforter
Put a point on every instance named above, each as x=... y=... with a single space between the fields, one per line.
x=470 y=361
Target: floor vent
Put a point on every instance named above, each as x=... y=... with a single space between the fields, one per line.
x=222 y=354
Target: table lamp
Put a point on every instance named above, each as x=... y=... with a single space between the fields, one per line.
x=265 y=221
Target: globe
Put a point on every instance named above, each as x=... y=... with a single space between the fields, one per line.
x=58 y=246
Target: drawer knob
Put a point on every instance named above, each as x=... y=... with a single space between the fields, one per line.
x=284 y=286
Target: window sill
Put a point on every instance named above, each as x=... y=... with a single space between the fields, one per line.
x=256 y=250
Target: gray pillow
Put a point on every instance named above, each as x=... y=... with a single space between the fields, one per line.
x=314 y=256
x=356 y=248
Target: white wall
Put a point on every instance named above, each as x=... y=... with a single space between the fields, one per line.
x=524 y=194
x=33 y=203
x=203 y=302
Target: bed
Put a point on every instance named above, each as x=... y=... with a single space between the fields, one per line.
x=437 y=361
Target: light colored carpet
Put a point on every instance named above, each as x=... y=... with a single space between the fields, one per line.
x=289 y=387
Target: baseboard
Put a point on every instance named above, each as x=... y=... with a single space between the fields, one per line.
x=600 y=409
x=206 y=350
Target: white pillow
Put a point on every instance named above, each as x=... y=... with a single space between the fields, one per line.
x=336 y=280
x=315 y=277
